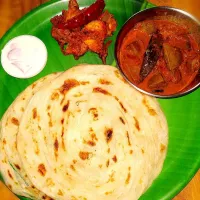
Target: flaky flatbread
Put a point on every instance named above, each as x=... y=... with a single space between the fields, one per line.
x=10 y=164
x=90 y=135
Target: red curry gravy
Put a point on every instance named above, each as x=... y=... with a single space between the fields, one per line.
x=160 y=56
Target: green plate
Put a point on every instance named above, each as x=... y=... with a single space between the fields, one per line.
x=183 y=157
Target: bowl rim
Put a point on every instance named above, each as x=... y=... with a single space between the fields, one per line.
x=176 y=95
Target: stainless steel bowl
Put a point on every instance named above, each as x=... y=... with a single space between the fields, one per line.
x=159 y=13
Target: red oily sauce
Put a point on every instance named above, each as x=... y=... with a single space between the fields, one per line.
x=160 y=56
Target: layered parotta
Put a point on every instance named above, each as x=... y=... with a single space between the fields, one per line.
x=89 y=135
x=10 y=164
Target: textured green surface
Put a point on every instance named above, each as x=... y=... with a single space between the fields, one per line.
x=183 y=158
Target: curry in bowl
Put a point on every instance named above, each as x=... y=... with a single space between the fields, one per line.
x=160 y=55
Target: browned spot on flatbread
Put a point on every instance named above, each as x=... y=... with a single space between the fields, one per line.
x=72 y=167
x=56 y=146
x=68 y=85
x=109 y=134
x=63 y=142
x=84 y=82
x=107 y=163
x=93 y=135
x=121 y=105
x=118 y=75
x=15 y=121
x=100 y=166
x=39 y=128
x=84 y=155
x=66 y=106
x=150 y=110
x=60 y=193
x=131 y=151
x=111 y=177
x=34 y=112
x=33 y=85
x=128 y=176
x=63 y=132
x=22 y=109
x=162 y=147
x=104 y=82
x=114 y=158
x=62 y=121
x=45 y=139
x=78 y=94
x=122 y=120
x=128 y=137
x=94 y=113
x=7 y=122
x=50 y=120
x=54 y=96
x=17 y=166
x=42 y=169
x=10 y=175
x=101 y=90
x=10 y=187
x=71 y=114
x=78 y=102
x=142 y=150
x=137 y=125
x=116 y=98
x=49 y=181
x=62 y=100
x=48 y=107
x=37 y=151
x=15 y=145
x=45 y=197
x=74 y=161
x=109 y=192
x=91 y=143
x=108 y=150
x=50 y=124
x=4 y=141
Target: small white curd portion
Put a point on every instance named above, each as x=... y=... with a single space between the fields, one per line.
x=24 y=56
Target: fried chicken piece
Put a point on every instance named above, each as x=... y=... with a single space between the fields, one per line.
x=76 y=49
x=62 y=36
x=73 y=5
x=89 y=37
x=110 y=21
x=94 y=35
x=75 y=46
x=57 y=20
x=70 y=42
x=73 y=10
x=97 y=28
x=94 y=45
